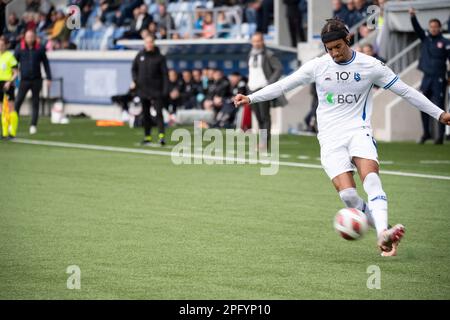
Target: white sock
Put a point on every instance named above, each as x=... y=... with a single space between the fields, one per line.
x=377 y=201
x=351 y=199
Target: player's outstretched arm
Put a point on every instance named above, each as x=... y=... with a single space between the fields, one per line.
x=421 y=102
x=304 y=75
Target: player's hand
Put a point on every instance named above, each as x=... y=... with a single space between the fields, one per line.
x=412 y=12
x=445 y=118
x=132 y=85
x=240 y=100
x=7 y=85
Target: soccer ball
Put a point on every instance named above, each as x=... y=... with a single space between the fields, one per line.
x=350 y=223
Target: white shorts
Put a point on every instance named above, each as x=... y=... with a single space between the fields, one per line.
x=336 y=154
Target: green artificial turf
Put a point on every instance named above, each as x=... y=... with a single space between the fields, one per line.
x=140 y=227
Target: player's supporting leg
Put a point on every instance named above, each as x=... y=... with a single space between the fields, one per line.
x=377 y=200
x=346 y=187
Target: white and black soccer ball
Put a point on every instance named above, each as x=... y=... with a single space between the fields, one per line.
x=350 y=223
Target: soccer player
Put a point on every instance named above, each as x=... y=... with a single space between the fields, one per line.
x=344 y=79
x=8 y=74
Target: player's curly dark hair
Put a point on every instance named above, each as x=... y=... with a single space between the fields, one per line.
x=334 y=29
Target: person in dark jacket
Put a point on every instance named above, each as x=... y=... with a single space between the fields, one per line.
x=175 y=88
x=149 y=72
x=339 y=9
x=31 y=54
x=217 y=86
x=295 y=22
x=435 y=52
x=189 y=90
x=264 y=68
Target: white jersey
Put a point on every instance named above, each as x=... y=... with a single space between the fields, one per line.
x=344 y=91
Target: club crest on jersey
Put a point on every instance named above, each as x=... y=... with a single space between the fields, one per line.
x=357 y=76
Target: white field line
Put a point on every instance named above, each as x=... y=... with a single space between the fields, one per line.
x=435 y=161
x=169 y=154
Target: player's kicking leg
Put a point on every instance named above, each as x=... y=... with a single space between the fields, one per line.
x=388 y=238
x=346 y=187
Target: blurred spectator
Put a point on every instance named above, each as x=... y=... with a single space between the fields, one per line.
x=86 y=11
x=28 y=21
x=361 y=7
x=339 y=9
x=237 y=84
x=352 y=17
x=140 y=22
x=175 y=36
x=153 y=28
x=207 y=78
x=42 y=25
x=198 y=81
x=198 y=21
x=32 y=5
x=368 y=49
x=264 y=14
x=175 y=88
x=363 y=31
x=2 y=17
x=434 y=54
x=189 y=90
x=162 y=33
x=145 y=33
x=13 y=30
x=124 y=14
x=225 y=113
x=250 y=11
x=47 y=6
x=222 y=24
x=108 y=10
x=219 y=86
x=295 y=22
x=208 y=29
x=59 y=30
x=164 y=19
x=221 y=3
x=448 y=25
